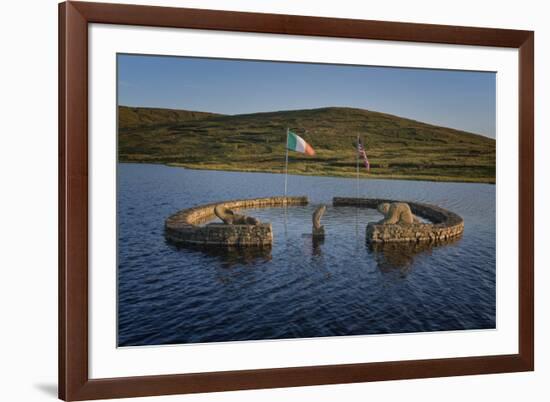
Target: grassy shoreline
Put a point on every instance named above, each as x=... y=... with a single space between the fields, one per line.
x=362 y=176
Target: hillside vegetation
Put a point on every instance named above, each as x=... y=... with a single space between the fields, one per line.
x=138 y=117
x=396 y=147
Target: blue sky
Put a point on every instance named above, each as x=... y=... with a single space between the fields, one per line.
x=459 y=99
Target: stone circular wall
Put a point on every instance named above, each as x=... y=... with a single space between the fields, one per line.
x=183 y=226
x=444 y=224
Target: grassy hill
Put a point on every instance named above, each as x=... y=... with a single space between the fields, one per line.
x=397 y=147
x=139 y=117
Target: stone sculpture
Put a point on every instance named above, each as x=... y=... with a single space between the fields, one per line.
x=231 y=218
x=318 y=229
x=397 y=213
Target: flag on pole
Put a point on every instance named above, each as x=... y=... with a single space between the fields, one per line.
x=363 y=153
x=296 y=143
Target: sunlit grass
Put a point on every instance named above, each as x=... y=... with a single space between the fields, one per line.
x=397 y=148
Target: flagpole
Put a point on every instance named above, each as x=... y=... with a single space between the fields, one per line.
x=365 y=149
x=357 y=168
x=286 y=162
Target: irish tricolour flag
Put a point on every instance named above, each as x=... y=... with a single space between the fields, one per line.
x=296 y=143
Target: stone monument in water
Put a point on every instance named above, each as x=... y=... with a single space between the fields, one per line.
x=397 y=213
x=318 y=230
x=229 y=217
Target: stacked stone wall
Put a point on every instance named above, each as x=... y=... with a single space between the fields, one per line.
x=183 y=226
x=444 y=225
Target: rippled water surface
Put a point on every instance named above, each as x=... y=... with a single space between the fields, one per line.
x=299 y=288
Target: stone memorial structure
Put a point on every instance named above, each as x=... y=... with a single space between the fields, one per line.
x=318 y=230
x=184 y=227
x=443 y=225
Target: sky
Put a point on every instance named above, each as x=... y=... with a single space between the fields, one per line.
x=464 y=100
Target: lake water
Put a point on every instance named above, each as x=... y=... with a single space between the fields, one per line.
x=298 y=288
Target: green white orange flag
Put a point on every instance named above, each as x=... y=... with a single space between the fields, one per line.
x=296 y=143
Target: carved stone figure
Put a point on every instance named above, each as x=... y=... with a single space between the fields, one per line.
x=318 y=229
x=231 y=218
x=397 y=213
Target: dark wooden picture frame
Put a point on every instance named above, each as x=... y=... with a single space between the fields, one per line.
x=74 y=381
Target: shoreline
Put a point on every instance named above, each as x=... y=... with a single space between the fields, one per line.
x=228 y=168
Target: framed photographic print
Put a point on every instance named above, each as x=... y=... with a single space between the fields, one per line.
x=259 y=200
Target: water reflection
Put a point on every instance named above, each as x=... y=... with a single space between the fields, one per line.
x=398 y=257
x=314 y=246
x=231 y=256
x=316 y=243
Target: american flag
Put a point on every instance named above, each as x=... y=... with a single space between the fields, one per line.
x=363 y=153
